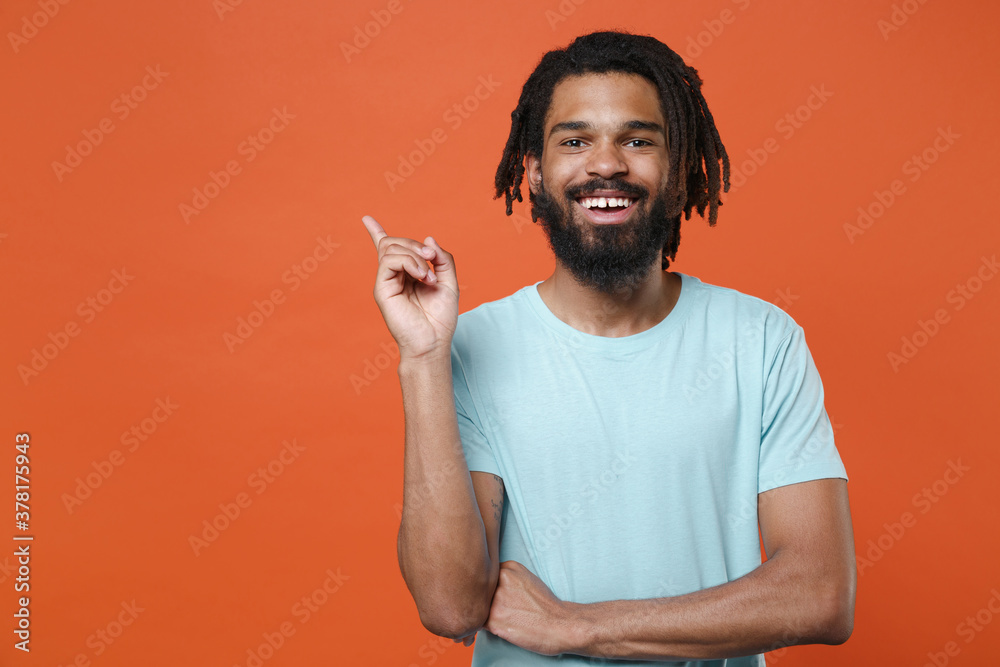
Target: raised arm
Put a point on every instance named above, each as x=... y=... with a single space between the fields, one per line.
x=449 y=534
x=448 y=539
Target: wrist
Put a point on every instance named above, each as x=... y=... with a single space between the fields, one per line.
x=578 y=628
x=432 y=360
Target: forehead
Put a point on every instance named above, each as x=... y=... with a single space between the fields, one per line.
x=604 y=99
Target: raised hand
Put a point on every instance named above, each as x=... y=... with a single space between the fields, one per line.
x=419 y=304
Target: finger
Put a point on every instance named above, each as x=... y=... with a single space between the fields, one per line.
x=406 y=246
x=421 y=249
x=442 y=262
x=410 y=247
x=384 y=242
x=374 y=229
x=394 y=264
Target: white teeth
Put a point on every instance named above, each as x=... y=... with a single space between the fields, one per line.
x=604 y=202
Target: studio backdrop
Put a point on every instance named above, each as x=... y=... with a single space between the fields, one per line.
x=201 y=417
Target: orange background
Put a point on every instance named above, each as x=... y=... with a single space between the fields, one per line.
x=301 y=375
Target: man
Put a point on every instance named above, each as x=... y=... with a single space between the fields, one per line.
x=586 y=460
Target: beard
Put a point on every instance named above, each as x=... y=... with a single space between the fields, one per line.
x=611 y=258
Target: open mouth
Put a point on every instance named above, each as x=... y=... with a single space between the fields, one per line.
x=606 y=210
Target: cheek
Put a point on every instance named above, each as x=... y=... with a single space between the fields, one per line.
x=652 y=173
x=561 y=172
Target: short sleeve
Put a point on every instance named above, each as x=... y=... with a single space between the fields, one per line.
x=796 y=442
x=478 y=453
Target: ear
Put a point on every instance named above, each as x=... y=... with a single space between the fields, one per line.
x=533 y=169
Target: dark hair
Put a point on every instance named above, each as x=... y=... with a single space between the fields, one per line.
x=691 y=132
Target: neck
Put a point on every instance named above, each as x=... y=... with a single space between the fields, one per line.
x=611 y=315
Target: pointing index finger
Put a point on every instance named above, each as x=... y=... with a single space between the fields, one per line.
x=374 y=229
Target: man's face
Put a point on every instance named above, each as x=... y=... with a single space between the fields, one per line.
x=604 y=139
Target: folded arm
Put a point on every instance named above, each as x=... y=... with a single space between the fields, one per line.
x=803 y=594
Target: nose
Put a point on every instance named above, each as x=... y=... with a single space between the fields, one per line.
x=605 y=160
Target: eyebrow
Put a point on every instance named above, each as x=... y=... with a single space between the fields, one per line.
x=577 y=125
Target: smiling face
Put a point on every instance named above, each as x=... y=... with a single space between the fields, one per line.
x=600 y=186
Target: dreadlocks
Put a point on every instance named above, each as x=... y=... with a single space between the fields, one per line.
x=692 y=136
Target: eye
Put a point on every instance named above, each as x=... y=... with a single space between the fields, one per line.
x=643 y=143
x=570 y=141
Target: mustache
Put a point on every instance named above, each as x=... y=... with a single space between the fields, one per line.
x=595 y=184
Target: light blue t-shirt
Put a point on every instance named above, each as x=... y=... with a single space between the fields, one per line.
x=632 y=465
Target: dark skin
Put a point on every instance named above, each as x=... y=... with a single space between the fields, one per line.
x=606 y=150
x=804 y=592
x=416 y=289
x=807 y=585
